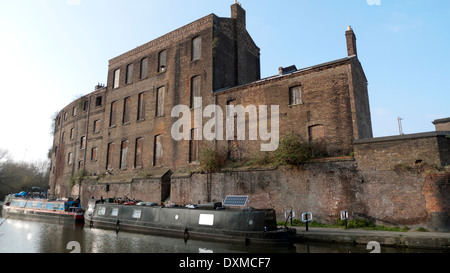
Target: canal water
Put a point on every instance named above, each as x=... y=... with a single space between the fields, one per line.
x=18 y=236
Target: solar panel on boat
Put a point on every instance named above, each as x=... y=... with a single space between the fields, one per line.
x=233 y=200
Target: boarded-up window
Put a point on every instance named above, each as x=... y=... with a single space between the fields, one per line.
x=194 y=145
x=162 y=61
x=126 y=110
x=129 y=77
x=110 y=156
x=141 y=107
x=317 y=138
x=63 y=135
x=295 y=95
x=160 y=102
x=112 y=118
x=85 y=106
x=69 y=158
x=96 y=126
x=196 y=48
x=74 y=111
x=116 y=78
x=196 y=85
x=94 y=153
x=83 y=143
x=233 y=143
x=72 y=133
x=124 y=155
x=144 y=68
x=138 y=153
x=158 y=151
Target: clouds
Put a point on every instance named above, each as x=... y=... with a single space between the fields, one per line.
x=401 y=21
x=73 y=2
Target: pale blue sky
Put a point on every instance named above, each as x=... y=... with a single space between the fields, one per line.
x=52 y=51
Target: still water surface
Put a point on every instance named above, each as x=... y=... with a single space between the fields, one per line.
x=18 y=236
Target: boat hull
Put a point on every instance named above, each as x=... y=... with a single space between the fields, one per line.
x=254 y=227
x=56 y=217
x=53 y=211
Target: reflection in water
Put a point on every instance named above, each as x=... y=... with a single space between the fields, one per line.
x=17 y=236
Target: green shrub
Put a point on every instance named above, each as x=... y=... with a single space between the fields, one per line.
x=293 y=151
x=211 y=160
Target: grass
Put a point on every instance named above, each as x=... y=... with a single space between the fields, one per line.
x=352 y=224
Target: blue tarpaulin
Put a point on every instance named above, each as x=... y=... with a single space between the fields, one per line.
x=21 y=194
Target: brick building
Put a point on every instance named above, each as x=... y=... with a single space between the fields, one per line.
x=120 y=134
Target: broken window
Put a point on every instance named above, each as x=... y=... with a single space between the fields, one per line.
x=85 y=106
x=126 y=110
x=138 y=153
x=144 y=68
x=74 y=111
x=80 y=164
x=295 y=95
x=141 y=107
x=158 y=151
x=116 y=79
x=109 y=156
x=196 y=85
x=196 y=48
x=98 y=101
x=129 y=76
x=160 y=102
x=162 y=61
x=124 y=155
x=112 y=117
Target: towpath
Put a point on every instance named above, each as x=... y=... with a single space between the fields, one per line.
x=410 y=239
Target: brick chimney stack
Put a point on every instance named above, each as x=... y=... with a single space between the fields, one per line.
x=238 y=13
x=351 y=42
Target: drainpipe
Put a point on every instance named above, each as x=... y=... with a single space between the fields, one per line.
x=86 y=143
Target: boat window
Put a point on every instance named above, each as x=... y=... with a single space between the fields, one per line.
x=136 y=214
x=36 y=205
x=60 y=206
x=29 y=204
x=49 y=206
x=21 y=204
x=101 y=211
x=114 y=212
x=13 y=203
x=206 y=219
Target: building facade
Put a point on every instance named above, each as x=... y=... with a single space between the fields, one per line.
x=121 y=134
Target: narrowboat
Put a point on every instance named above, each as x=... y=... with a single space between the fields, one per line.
x=211 y=222
x=41 y=209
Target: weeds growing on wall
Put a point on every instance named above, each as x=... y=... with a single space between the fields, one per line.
x=77 y=178
x=211 y=160
x=293 y=150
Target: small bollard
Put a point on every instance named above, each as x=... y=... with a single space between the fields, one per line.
x=306 y=218
x=344 y=217
x=289 y=214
